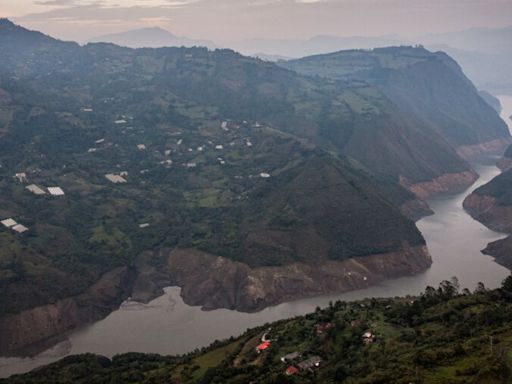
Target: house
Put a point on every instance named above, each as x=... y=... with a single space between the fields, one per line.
x=116 y=179
x=9 y=223
x=368 y=337
x=290 y=357
x=19 y=228
x=35 y=189
x=291 y=370
x=309 y=364
x=22 y=177
x=263 y=346
x=56 y=191
x=322 y=328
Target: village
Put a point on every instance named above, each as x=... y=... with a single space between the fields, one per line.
x=185 y=153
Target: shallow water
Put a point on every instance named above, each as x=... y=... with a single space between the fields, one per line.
x=168 y=326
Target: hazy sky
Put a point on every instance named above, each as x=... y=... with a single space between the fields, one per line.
x=231 y=20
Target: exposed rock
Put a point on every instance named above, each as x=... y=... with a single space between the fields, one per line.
x=416 y=209
x=34 y=326
x=216 y=282
x=501 y=250
x=494 y=147
x=485 y=209
x=445 y=184
x=504 y=164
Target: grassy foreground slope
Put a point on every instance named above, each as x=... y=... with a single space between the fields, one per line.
x=443 y=337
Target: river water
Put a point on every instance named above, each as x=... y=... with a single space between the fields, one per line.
x=168 y=326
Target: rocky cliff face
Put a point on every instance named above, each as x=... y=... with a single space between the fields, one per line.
x=33 y=327
x=493 y=147
x=486 y=209
x=445 y=184
x=489 y=205
x=216 y=282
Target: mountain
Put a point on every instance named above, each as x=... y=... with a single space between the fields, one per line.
x=484 y=54
x=150 y=38
x=491 y=100
x=370 y=341
x=428 y=86
x=488 y=71
x=315 y=45
x=491 y=204
x=483 y=40
x=174 y=159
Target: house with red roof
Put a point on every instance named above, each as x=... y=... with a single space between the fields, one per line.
x=263 y=346
x=291 y=370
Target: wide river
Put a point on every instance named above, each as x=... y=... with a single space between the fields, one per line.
x=168 y=326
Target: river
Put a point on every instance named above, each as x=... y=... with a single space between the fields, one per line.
x=167 y=325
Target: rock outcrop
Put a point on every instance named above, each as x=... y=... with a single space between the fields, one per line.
x=216 y=282
x=494 y=147
x=35 y=326
x=446 y=184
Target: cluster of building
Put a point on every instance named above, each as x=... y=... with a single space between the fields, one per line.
x=35 y=189
x=12 y=224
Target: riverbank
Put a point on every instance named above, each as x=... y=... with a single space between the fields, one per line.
x=174 y=327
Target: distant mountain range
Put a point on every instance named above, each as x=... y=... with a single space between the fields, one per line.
x=485 y=54
x=150 y=38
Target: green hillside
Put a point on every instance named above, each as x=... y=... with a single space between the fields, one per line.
x=430 y=86
x=442 y=337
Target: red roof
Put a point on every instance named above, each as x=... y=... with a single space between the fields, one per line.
x=263 y=346
x=291 y=370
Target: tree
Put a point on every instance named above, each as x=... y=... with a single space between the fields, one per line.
x=506 y=285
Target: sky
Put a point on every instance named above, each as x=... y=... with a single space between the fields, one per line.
x=224 y=21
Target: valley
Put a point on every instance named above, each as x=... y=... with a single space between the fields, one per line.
x=251 y=186
x=454 y=239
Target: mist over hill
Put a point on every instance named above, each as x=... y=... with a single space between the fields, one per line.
x=150 y=38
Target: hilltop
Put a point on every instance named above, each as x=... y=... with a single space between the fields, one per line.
x=153 y=37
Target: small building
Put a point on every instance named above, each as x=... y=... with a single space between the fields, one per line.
x=291 y=370
x=190 y=165
x=290 y=357
x=144 y=225
x=9 y=223
x=219 y=146
x=309 y=364
x=55 y=191
x=141 y=147
x=35 y=189
x=19 y=228
x=100 y=141
x=116 y=179
x=120 y=121
x=265 y=175
x=368 y=337
x=263 y=346
x=22 y=177
x=322 y=328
